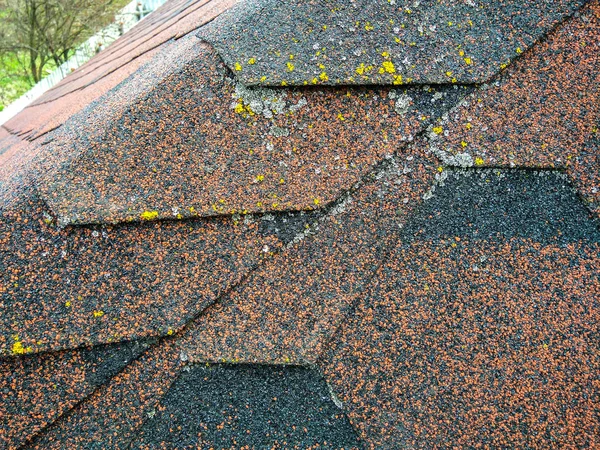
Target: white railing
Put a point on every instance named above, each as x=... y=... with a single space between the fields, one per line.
x=124 y=21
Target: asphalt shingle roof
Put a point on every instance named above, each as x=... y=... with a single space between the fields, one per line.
x=304 y=42
x=409 y=264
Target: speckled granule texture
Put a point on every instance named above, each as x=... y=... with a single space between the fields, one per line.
x=289 y=308
x=543 y=112
x=202 y=145
x=110 y=418
x=239 y=406
x=113 y=65
x=36 y=389
x=89 y=285
x=274 y=42
x=481 y=328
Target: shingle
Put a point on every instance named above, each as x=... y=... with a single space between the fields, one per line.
x=239 y=406
x=543 y=112
x=37 y=389
x=199 y=143
x=479 y=330
x=111 y=416
x=277 y=42
x=445 y=307
x=63 y=288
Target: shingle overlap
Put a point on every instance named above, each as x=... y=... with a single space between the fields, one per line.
x=544 y=111
x=481 y=326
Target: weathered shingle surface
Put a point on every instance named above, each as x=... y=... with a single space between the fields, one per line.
x=191 y=260
x=304 y=42
x=481 y=325
x=36 y=389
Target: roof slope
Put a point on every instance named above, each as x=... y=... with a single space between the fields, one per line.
x=399 y=256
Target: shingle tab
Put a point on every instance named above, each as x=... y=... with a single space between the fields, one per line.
x=64 y=288
x=111 y=416
x=201 y=144
x=37 y=389
x=274 y=42
x=289 y=308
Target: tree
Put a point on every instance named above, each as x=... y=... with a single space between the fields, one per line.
x=43 y=31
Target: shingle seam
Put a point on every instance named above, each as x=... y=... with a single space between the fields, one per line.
x=158 y=402
x=327 y=211
x=30 y=440
x=122 y=65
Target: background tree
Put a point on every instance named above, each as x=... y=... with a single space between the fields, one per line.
x=39 y=33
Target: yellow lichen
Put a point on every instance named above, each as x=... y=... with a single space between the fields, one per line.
x=98 y=313
x=388 y=66
x=368 y=26
x=239 y=108
x=398 y=79
x=238 y=66
x=468 y=61
x=324 y=76
x=290 y=67
x=438 y=130
x=316 y=201
x=252 y=61
x=149 y=215
x=18 y=348
x=478 y=161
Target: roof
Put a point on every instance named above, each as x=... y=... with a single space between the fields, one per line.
x=272 y=224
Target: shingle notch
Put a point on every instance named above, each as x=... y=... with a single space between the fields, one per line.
x=256 y=406
x=544 y=111
x=274 y=42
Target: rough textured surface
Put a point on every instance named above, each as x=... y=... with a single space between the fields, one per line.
x=288 y=309
x=110 y=418
x=220 y=406
x=543 y=112
x=481 y=327
x=200 y=144
x=274 y=42
x=446 y=308
x=36 y=389
x=63 y=288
